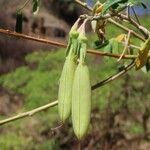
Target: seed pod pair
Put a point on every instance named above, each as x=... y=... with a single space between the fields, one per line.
x=74 y=87
x=67 y=75
x=81 y=93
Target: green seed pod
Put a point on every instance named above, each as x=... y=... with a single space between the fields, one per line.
x=66 y=79
x=65 y=88
x=81 y=101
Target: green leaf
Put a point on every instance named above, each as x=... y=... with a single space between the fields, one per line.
x=35 y=6
x=144 y=6
x=19 y=21
x=113 y=4
x=98 y=44
x=115 y=46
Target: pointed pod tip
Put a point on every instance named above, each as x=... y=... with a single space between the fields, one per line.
x=80 y=136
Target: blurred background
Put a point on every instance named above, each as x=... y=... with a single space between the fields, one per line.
x=29 y=76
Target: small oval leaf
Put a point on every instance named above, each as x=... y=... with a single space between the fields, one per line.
x=35 y=6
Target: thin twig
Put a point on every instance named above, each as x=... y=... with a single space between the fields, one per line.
x=29 y=113
x=110 y=54
x=132 y=46
x=126 y=29
x=126 y=46
x=142 y=29
x=137 y=19
x=59 y=44
x=24 y=5
x=28 y=37
x=113 y=77
x=84 y=5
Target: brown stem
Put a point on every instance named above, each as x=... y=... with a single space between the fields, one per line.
x=28 y=37
x=29 y=113
x=59 y=44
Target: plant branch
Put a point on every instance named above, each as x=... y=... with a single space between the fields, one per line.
x=52 y=104
x=126 y=29
x=142 y=29
x=59 y=44
x=24 y=5
x=84 y=5
x=28 y=113
x=28 y=37
x=110 y=20
x=126 y=46
x=121 y=26
x=111 y=55
x=138 y=21
x=113 y=77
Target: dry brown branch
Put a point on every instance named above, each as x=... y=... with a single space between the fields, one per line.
x=59 y=44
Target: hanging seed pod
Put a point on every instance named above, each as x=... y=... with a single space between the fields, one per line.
x=81 y=91
x=65 y=88
x=81 y=101
x=67 y=75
